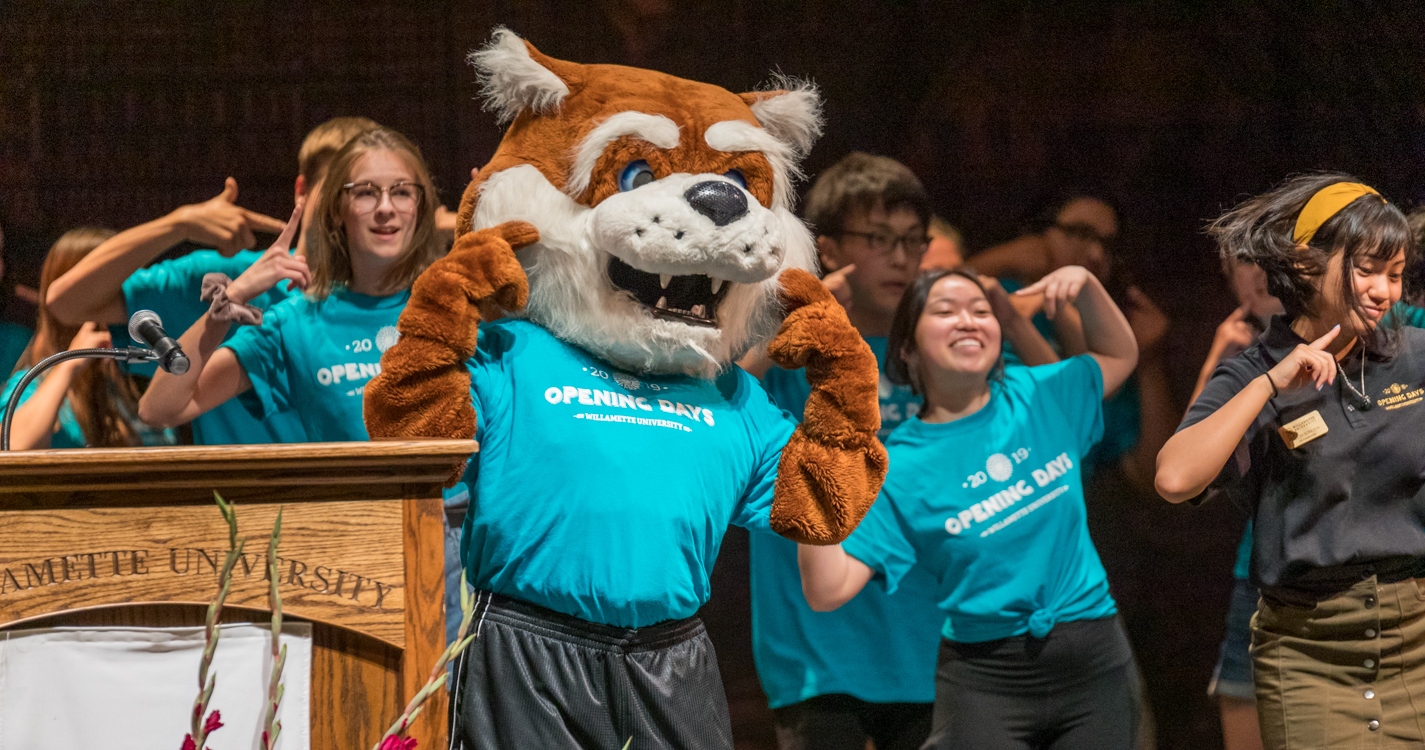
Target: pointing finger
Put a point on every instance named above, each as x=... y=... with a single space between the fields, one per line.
x=284 y=240
x=262 y=222
x=1324 y=341
x=839 y=274
x=1034 y=288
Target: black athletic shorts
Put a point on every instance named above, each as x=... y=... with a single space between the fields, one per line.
x=536 y=678
x=1076 y=689
x=845 y=722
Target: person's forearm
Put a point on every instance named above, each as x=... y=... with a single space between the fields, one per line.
x=1031 y=346
x=1157 y=419
x=33 y=426
x=97 y=281
x=829 y=575
x=1106 y=330
x=1214 y=355
x=1192 y=458
x=171 y=400
x=1069 y=329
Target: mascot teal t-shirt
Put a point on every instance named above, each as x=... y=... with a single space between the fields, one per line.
x=605 y=494
x=171 y=289
x=315 y=358
x=993 y=506
x=802 y=653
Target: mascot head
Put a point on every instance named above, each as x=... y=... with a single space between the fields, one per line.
x=663 y=205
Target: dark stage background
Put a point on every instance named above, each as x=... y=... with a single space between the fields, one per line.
x=115 y=113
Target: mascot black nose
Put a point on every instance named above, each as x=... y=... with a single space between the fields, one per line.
x=720 y=201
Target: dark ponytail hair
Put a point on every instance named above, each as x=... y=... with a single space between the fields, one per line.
x=1260 y=230
x=901 y=341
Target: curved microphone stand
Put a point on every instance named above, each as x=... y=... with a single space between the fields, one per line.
x=129 y=354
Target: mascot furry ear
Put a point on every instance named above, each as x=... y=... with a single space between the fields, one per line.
x=653 y=221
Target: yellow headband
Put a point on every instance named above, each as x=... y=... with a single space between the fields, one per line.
x=1324 y=205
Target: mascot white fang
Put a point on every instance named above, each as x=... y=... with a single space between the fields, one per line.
x=634 y=232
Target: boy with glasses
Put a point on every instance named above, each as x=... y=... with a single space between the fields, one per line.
x=867 y=670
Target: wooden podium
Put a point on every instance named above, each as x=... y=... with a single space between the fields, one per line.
x=133 y=537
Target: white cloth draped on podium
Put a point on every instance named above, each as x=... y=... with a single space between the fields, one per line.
x=133 y=688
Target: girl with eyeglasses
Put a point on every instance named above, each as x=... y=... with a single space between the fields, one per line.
x=985 y=493
x=373 y=232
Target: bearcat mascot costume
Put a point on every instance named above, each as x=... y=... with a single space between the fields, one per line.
x=635 y=232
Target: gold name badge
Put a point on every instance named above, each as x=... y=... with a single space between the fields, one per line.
x=1302 y=430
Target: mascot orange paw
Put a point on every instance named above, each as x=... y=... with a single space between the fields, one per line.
x=424 y=389
x=832 y=469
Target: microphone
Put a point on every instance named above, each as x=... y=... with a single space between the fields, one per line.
x=145 y=326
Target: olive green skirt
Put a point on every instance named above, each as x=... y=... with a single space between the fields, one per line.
x=1348 y=673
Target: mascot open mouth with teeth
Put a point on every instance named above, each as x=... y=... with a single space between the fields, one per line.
x=636 y=232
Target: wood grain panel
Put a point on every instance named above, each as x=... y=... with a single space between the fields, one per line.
x=356 y=680
x=339 y=562
x=251 y=473
x=425 y=615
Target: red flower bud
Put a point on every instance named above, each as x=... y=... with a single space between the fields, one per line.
x=396 y=742
x=213 y=723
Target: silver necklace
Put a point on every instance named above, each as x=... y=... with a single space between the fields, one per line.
x=1365 y=402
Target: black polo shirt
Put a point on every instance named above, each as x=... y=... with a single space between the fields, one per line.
x=1348 y=504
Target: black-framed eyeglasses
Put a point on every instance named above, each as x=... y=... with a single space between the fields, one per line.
x=884 y=243
x=366 y=196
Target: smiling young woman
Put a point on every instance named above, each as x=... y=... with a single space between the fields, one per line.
x=1315 y=430
x=373 y=233
x=985 y=493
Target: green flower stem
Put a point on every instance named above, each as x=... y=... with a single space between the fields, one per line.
x=438 y=673
x=271 y=726
x=211 y=632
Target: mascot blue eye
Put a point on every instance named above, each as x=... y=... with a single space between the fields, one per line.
x=635 y=175
x=736 y=176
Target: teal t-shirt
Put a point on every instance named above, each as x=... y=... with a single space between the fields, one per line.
x=171 y=289
x=603 y=494
x=68 y=433
x=1243 y=568
x=315 y=358
x=993 y=506
x=13 y=340
x=878 y=647
x=1122 y=418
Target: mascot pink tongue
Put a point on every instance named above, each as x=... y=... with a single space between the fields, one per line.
x=635 y=231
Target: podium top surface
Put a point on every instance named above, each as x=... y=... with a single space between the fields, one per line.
x=186 y=474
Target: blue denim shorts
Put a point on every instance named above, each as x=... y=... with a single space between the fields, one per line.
x=1233 y=675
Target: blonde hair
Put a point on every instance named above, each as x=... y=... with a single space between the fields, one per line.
x=328 y=253
x=325 y=141
x=101 y=395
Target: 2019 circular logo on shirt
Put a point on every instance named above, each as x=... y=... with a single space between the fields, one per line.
x=387 y=338
x=628 y=382
x=999 y=467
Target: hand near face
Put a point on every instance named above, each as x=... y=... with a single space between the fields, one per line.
x=835 y=282
x=1060 y=288
x=1306 y=364
x=1234 y=334
x=277 y=264
x=223 y=225
x=90 y=336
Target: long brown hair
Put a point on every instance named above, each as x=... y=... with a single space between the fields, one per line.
x=328 y=253
x=101 y=393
